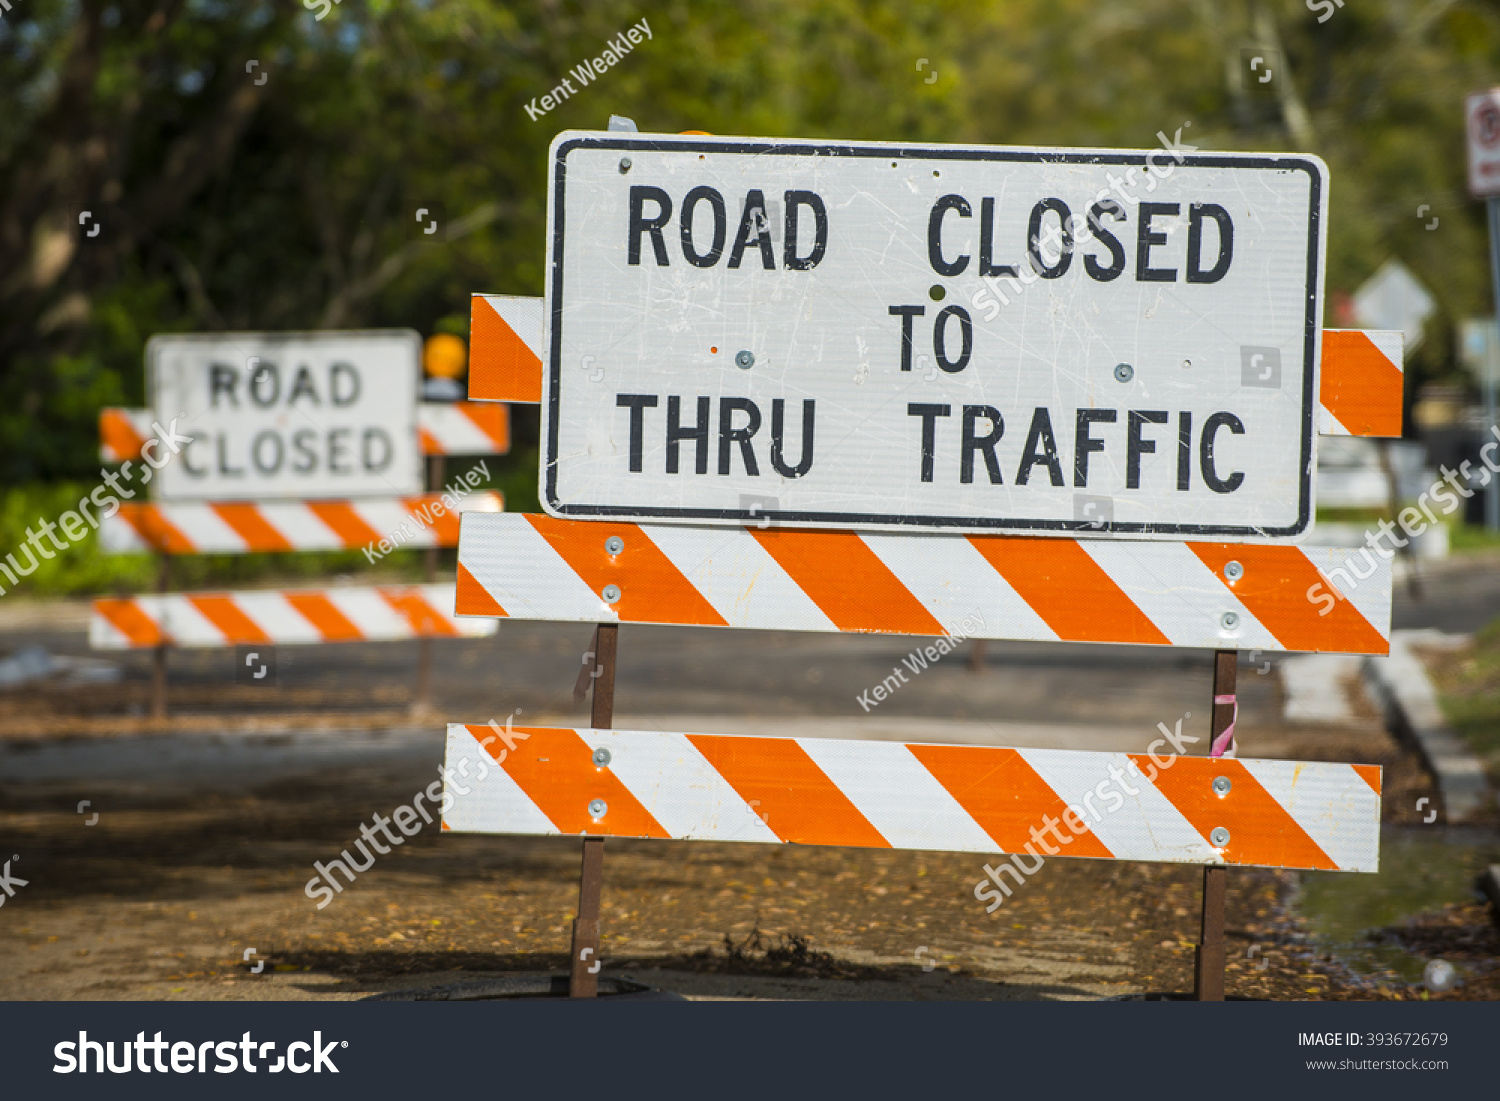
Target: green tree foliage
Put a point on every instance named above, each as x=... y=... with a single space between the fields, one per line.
x=284 y=196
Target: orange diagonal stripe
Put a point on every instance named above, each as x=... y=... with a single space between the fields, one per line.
x=225 y=614
x=473 y=598
x=1260 y=829
x=1068 y=589
x=1007 y=797
x=1370 y=774
x=345 y=523
x=492 y=418
x=429 y=443
x=323 y=614
x=119 y=435
x=426 y=621
x=501 y=366
x=444 y=525
x=154 y=528
x=250 y=525
x=127 y=617
x=791 y=794
x=848 y=582
x=652 y=589
x=556 y=769
x=1275 y=587
x=1360 y=385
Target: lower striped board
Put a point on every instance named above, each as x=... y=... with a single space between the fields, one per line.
x=1212 y=595
x=345 y=614
x=242 y=527
x=981 y=799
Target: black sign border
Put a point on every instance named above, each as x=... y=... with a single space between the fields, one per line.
x=948 y=524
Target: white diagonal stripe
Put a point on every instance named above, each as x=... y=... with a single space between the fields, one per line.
x=524 y=315
x=511 y=560
x=1145 y=826
x=495 y=803
x=738 y=577
x=456 y=433
x=902 y=800
x=676 y=783
x=1179 y=594
x=204 y=528
x=300 y=526
x=182 y=622
x=1332 y=803
x=276 y=618
x=958 y=586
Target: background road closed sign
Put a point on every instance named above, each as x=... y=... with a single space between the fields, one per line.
x=964 y=339
x=289 y=415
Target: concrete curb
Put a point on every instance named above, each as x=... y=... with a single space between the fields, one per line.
x=1401 y=685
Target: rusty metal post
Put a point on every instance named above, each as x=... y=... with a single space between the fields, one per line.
x=1208 y=976
x=159 y=660
x=976 y=656
x=422 y=699
x=583 y=980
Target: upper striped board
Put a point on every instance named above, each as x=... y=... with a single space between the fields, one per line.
x=1214 y=595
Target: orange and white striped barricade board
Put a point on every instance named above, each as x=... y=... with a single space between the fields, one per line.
x=1359 y=391
x=443 y=428
x=464 y=428
x=505 y=348
x=1214 y=595
x=892 y=795
x=375 y=526
x=283 y=618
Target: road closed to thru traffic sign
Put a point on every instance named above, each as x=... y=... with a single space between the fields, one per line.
x=289 y=415
x=1118 y=343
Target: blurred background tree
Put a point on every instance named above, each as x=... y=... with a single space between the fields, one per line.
x=251 y=167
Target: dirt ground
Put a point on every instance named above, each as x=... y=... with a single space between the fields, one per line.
x=193 y=888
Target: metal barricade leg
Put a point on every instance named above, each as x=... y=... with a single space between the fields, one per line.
x=1208 y=977
x=583 y=980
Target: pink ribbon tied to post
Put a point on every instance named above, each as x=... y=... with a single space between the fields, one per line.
x=1223 y=745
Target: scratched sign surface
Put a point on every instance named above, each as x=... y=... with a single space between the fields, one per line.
x=1117 y=343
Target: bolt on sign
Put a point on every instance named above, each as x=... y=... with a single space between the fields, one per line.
x=289 y=415
x=885 y=336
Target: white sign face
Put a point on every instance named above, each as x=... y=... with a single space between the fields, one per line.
x=288 y=415
x=1482 y=111
x=965 y=339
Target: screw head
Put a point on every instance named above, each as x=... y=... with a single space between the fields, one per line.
x=1124 y=372
x=1234 y=571
x=1230 y=620
x=614 y=545
x=598 y=809
x=601 y=758
x=1222 y=785
x=744 y=360
x=624 y=165
x=1219 y=837
x=611 y=593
